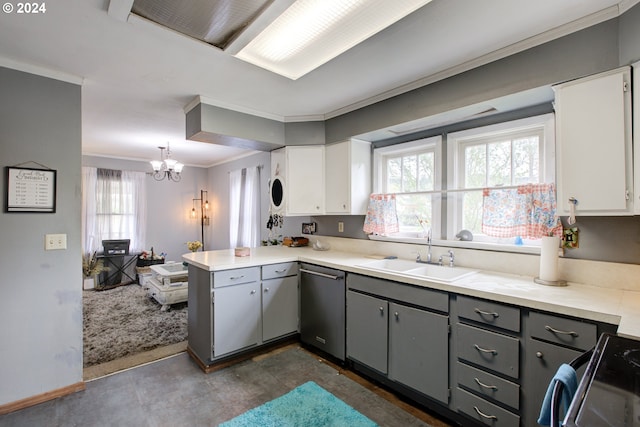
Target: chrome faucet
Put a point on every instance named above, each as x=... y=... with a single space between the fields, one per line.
x=428 y=260
x=450 y=255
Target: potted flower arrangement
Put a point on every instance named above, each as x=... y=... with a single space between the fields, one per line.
x=91 y=267
x=194 y=246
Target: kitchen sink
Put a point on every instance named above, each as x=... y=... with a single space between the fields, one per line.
x=397 y=265
x=445 y=274
x=425 y=271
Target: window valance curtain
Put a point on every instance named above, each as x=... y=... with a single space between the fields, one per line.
x=527 y=211
x=382 y=217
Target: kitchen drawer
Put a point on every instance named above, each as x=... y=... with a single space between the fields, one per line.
x=485 y=412
x=489 y=313
x=273 y=271
x=560 y=330
x=491 y=350
x=488 y=385
x=235 y=276
x=423 y=297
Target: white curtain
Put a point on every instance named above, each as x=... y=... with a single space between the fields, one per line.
x=114 y=207
x=244 y=207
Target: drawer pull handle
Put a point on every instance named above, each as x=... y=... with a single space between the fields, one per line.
x=489 y=417
x=558 y=331
x=485 y=350
x=281 y=271
x=236 y=277
x=486 y=313
x=481 y=384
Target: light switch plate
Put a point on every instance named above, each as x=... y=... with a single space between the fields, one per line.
x=55 y=242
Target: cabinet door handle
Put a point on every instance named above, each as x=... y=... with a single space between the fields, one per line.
x=381 y=310
x=489 y=417
x=397 y=315
x=253 y=291
x=539 y=355
x=481 y=384
x=266 y=289
x=486 y=313
x=485 y=350
x=558 y=331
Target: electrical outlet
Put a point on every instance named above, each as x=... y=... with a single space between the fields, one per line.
x=55 y=242
x=340 y=227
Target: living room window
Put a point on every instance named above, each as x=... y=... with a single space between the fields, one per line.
x=113 y=207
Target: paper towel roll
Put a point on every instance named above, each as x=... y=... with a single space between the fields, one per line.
x=549 y=258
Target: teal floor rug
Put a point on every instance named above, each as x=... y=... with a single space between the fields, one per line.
x=306 y=406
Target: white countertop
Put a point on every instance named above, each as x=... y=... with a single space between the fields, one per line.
x=618 y=307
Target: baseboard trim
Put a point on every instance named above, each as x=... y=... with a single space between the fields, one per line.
x=41 y=398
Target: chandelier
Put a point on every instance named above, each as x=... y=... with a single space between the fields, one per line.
x=166 y=167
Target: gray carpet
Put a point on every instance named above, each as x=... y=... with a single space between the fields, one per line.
x=122 y=321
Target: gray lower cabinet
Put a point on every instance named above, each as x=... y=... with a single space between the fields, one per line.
x=488 y=362
x=235 y=310
x=551 y=341
x=418 y=350
x=236 y=317
x=279 y=307
x=407 y=344
x=367 y=330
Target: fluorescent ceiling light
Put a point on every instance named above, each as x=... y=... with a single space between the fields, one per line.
x=312 y=32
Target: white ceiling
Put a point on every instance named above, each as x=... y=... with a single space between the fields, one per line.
x=137 y=77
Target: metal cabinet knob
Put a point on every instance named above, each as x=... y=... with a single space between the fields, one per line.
x=253 y=292
x=381 y=310
x=266 y=289
x=539 y=354
x=397 y=315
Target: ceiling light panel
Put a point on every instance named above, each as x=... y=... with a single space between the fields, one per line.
x=312 y=32
x=215 y=22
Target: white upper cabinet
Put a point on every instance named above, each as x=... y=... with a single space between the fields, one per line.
x=298 y=176
x=347 y=177
x=594 y=145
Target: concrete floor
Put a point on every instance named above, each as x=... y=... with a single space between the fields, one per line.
x=175 y=392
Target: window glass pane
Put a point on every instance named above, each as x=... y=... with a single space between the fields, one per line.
x=394 y=175
x=410 y=207
x=409 y=173
x=499 y=164
x=526 y=160
x=472 y=212
x=475 y=166
x=425 y=172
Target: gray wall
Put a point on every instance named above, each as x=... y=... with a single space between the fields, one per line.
x=41 y=304
x=169 y=225
x=218 y=232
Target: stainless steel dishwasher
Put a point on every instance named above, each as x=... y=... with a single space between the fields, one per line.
x=322 y=307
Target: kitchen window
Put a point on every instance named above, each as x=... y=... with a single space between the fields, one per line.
x=500 y=156
x=412 y=172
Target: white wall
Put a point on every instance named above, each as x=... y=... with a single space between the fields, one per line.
x=41 y=302
x=169 y=203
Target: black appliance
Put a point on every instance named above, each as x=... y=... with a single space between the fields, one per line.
x=609 y=392
x=322 y=307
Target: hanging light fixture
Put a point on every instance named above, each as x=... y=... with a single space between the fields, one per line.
x=166 y=167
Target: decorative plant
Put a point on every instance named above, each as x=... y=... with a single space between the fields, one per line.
x=91 y=265
x=194 y=246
